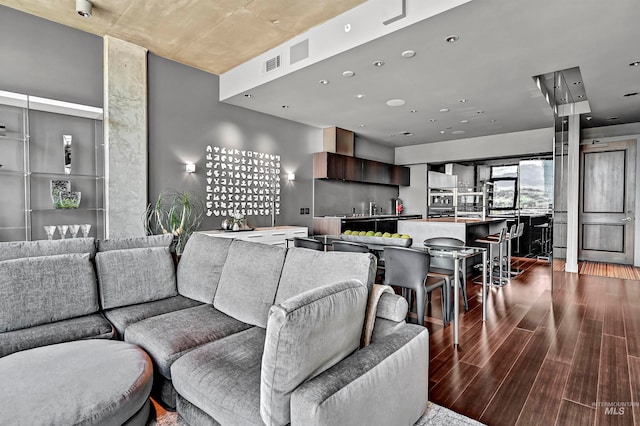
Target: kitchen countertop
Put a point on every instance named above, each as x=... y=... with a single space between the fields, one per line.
x=461 y=220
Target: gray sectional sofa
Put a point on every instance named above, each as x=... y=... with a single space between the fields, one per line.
x=239 y=333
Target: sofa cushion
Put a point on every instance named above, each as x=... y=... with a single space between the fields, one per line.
x=167 y=337
x=223 y=378
x=306 y=335
x=249 y=281
x=19 y=249
x=201 y=265
x=39 y=290
x=164 y=240
x=308 y=269
x=93 y=326
x=124 y=316
x=133 y=276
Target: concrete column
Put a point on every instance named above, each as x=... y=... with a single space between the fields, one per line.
x=125 y=137
x=573 y=192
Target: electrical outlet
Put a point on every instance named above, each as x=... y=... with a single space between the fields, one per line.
x=301 y=210
x=306 y=210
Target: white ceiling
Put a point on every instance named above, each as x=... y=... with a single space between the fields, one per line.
x=503 y=44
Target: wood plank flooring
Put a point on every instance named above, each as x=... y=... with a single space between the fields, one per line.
x=567 y=357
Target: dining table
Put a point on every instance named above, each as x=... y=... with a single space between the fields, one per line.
x=459 y=254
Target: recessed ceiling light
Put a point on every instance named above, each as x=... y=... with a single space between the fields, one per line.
x=442 y=132
x=285 y=106
x=480 y=111
x=359 y=96
x=433 y=120
x=378 y=63
x=347 y=28
x=492 y=121
x=396 y=102
x=348 y=73
x=612 y=118
x=362 y=125
x=580 y=96
x=588 y=118
x=452 y=38
x=464 y=121
x=413 y=111
x=444 y=110
x=635 y=64
x=577 y=82
x=406 y=133
x=462 y=101
x=458 y=132
x=449 y=128
x=248 y=95
x=275 y=21
x=408 y=54
x=324 y=82
x=627 y=95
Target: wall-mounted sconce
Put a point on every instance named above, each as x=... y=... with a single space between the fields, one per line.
x=190 y=167
x=291 y=176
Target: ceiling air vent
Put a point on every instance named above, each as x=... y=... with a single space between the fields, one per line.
x=272 y=64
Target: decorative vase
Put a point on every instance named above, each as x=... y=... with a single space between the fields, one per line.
x=67 y=199
x=56 y=187
x=225 y=224
x=236 y=226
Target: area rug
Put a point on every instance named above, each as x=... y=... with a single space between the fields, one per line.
x=434 y=416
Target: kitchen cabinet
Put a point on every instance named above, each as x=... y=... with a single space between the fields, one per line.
x=328 y=165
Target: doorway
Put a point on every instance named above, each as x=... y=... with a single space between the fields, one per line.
x=607 y=202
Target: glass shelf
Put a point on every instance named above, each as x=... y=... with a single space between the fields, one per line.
x=11 y=136
x=63 y=175
x=10 y=228
x=12 y=172
x=81 y=209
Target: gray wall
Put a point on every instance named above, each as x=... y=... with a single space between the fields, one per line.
x=185 y=116
x=42 y=58
x=335 y=197
x=364 y=148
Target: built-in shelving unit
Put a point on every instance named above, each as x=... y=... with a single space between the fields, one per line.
x=31 y=130
x=460 y=201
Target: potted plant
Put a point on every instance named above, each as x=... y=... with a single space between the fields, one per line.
x=177 y=213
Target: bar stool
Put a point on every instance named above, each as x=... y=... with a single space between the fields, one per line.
x=502 y=277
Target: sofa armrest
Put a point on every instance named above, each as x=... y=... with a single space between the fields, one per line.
x=392 y=307
x=385 y=383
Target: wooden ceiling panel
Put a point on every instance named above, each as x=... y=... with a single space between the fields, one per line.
x=213 y=36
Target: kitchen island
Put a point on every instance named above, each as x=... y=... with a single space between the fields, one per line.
x=465 y=229
x=334 y=225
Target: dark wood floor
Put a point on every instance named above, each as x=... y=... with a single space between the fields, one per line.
x=571 y=357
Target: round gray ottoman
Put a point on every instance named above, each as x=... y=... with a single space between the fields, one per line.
x=88 y=382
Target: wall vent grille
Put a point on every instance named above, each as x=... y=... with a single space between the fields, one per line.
x=272 y=64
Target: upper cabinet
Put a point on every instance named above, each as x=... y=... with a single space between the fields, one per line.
x=328 y=165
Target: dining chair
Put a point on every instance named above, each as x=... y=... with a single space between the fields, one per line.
x=361 y=248
x=350 y=246
x=409 y=269
x=443 y=267
x=308 y=243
